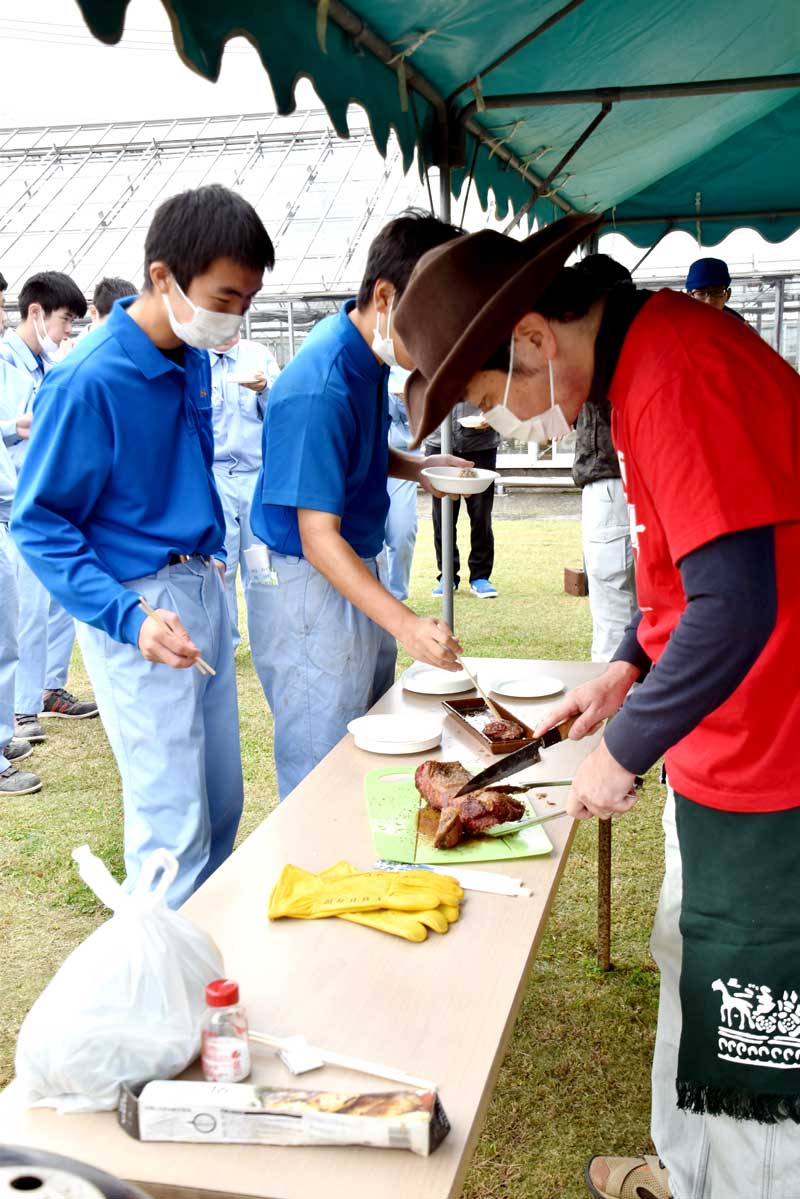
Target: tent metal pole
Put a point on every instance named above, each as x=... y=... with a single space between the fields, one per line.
x=448 y=539
x=649 y=251
x=557 y=169
x=779 y=305
x=646 y=91
x=291 y=331
x=515 y=49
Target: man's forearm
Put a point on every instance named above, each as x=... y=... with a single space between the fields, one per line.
x=403 y=465
x=333 y=557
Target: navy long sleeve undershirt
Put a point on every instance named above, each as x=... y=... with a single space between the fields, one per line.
x=731 y=610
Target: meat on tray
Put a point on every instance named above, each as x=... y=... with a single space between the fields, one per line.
x=503 y=730
x=467 y=815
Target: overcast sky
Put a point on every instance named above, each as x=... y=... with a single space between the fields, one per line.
x=54 y=72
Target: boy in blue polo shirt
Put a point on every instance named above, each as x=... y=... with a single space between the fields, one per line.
x=49 y=302
x=117 y=500
x=322 y=622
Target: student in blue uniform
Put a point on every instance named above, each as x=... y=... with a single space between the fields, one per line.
x=322 y=622
x=16 y=392
x=242 y=373
x=49 y=302
x=117 y=500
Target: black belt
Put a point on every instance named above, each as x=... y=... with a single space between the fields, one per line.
x=178 y=559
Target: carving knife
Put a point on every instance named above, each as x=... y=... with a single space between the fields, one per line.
x=518 y=760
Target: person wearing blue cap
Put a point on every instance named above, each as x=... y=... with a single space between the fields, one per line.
x=709 y=281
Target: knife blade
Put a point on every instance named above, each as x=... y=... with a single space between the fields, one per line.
x=518 y=760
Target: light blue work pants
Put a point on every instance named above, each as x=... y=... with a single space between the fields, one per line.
x=236 y=489
x=174 y=733
x=320 y=660
x=608 y=558
x=401 y=535
x=8 y=640
x=45 y=635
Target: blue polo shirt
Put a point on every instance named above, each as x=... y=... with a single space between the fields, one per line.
x=118 y=473
x=325 y=441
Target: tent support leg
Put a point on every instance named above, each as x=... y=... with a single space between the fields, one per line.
x=604 y=894
x=448 y=540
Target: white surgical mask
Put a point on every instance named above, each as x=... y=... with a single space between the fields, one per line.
x=206 y=329
x=48 y=347
x=551 y=425
x=384 y=346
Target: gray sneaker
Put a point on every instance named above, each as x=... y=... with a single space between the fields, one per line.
x=17 y=751
x=19 y=782
x=27 y=728
x=64 y=704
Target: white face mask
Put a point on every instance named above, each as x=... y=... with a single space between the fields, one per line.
x=384 y=346
x=551 y=425
x=206 y=329
x=48 y=347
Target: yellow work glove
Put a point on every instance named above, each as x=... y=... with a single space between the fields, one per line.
x=411 y=925
x=308 y=896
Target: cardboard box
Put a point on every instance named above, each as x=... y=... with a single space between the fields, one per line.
x=237 y=1113
x=575 y=580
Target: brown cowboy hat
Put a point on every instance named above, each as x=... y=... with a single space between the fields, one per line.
x=463 y=300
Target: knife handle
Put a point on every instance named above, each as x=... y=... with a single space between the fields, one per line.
x=559 y=732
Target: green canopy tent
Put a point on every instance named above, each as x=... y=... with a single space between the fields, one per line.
x=660 y=115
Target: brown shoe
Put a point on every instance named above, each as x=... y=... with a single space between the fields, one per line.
x=627 y=1178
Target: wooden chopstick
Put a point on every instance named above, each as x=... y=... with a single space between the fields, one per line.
x=200 y=663
x=492 y=708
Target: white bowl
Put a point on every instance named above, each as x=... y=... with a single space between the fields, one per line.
x=450 y=480
x=396 y=734
x=430 y=680
x=473 y=422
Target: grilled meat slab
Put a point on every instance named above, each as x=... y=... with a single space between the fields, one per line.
x=467 y=815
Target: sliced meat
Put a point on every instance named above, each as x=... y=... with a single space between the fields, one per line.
x=503 y=730
x=438 y=781
x=467 y=815
x=450 y=830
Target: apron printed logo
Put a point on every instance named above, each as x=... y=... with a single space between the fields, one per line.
x=756 y=1029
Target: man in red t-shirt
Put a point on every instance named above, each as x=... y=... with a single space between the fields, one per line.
x=706 y=421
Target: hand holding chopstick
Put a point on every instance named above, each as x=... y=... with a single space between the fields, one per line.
x=197 y=661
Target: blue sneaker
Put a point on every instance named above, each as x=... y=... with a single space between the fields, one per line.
x=437 y=591
x=483 y=589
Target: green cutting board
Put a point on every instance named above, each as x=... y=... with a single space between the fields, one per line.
x=393 y=806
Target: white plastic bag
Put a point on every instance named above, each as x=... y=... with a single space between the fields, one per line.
x=126 y=1005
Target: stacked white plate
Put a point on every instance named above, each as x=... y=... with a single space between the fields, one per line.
x=430 y=680
x=396 y=734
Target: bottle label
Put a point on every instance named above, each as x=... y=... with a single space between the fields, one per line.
x=225 y=1059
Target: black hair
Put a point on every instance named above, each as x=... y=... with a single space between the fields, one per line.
x=398 y=248
x=190 y=230
x=567 y=298
x=604 y=269
x=52 y=290
x=110 y=289
x=3 y=284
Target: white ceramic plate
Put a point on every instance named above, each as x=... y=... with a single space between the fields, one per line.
x=396 y=734
x=472 y=422
x=429 y=680
x=527 y=686
x=449 y=479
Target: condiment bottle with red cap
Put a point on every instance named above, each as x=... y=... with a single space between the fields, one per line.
x=226 y=1048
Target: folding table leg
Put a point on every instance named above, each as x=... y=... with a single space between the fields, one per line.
x=604 y=894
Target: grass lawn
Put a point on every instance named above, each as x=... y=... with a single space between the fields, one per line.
x=575 y=1080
